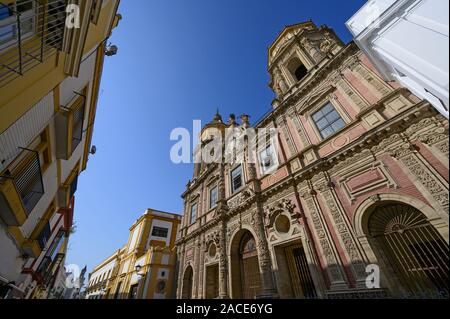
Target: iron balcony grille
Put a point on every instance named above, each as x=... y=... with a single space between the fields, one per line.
x=44 y=236
x=53 y=269
x=73 y=187
x=31 y=31
x=27 y=178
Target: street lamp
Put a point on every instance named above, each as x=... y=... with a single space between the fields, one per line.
x=138 y=269
x=140 y=274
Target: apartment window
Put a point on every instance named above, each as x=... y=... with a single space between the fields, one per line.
x=213 y=196
x=8 y=21
x=44 y=235
x=27 y=176
x=160 y=232
x=328 y=121
x=44 y=149
x=236 y=179
x=96 y=8
x=117 y=293
x=133 y=292
x=268 y=159
x=193 y=213
x=77 y=125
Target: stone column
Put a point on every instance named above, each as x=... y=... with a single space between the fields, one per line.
x=202 y=267
x=268 y=290
x=222 y=210
x=180 y=270
x=197 y=272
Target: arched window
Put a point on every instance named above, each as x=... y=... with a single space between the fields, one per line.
x=297 y=69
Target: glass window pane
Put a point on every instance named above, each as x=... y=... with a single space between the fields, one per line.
x=193 y=213
x=213 y=197
x=327 y=109
x=327 y=132
x=317 y=116
x=236 y=172
x=322 y=123
x=333 y=116
x=339 y=124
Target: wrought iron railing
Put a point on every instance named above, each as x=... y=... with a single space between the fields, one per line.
x=77 y=132
x=27 y=177
x=31 y=31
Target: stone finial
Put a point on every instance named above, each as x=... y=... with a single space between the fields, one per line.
x=245 y=120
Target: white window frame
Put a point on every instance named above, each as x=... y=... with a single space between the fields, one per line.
x=274 y=162
x=316 y=127
x=234 y=191
x=191 y=220
x=211 y=188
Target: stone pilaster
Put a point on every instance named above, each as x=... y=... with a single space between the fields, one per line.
x=342 y=228
x=373 y=80
x=350 y=92
x=282 y=124
x=322 y=236
x=222 y=210
x=180 y=270
x=201 y=266
x=299 y=126
x=265 y=262
x=197 y=272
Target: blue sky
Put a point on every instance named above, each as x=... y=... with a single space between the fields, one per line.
x=178 y=61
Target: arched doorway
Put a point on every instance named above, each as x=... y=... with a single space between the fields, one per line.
x=412 y=248
x=246 y=276
x=187 y=283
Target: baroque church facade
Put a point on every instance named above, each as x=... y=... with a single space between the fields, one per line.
x=359 y=187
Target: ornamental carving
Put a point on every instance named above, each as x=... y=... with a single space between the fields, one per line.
x=323 y=239
x=350 y=91
x=430 y=182
x=343 y=230
x=371 y=78
x=281 y=122
x=274 y=210
x=240 y=198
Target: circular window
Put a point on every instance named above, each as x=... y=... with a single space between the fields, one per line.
x=282 y=224
x=212 y=251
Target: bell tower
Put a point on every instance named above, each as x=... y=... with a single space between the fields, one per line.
x=295 y=53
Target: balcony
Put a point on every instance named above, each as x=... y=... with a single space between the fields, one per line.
x=67 y=212
x=21 y=188
x=51 y=259
x=69 y=127
x=67 y=191
x=31 y=31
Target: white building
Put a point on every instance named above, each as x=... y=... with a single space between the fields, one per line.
x=407 y=41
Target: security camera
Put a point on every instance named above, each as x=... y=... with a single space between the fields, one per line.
x=111 y=50
x=93 y=150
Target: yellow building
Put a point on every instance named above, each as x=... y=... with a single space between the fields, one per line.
x=50 y=71
x=145 y=268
